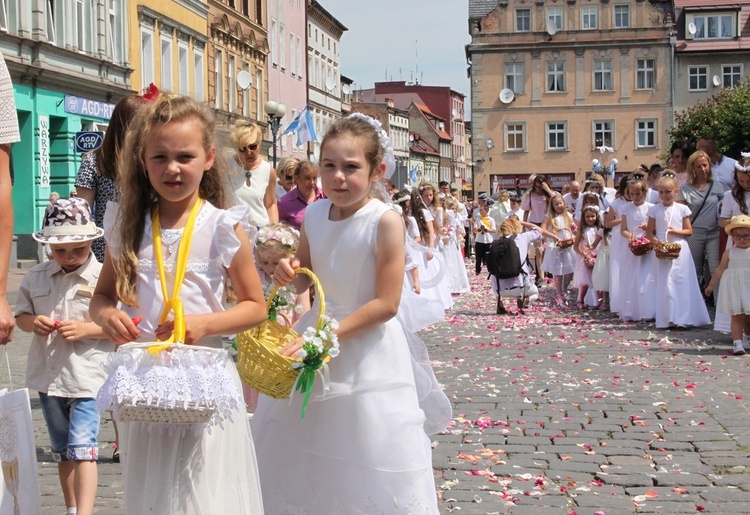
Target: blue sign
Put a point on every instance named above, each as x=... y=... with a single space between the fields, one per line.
x=86 y=107
x=88 y=141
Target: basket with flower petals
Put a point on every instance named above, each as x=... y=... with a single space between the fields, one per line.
x=640 y=246
x=667 y=250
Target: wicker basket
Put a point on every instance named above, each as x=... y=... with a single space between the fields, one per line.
x=259 y=363
x=667 y=250
x=640 y=249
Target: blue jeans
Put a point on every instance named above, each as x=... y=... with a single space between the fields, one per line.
x=73 y=426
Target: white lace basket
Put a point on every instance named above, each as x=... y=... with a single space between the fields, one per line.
x=182 y=386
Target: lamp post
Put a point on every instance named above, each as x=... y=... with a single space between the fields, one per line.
x=275 y=112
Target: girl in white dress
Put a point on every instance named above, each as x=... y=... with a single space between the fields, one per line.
x=362 y=446
x=586 y=246
x=169 y=173
x=734 y=273
x=617 y=244
x=452 y=234
x=678 y=297
x=559 y=259
x=637 y=273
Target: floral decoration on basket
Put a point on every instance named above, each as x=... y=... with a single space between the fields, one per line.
x=667 y=250
x=564 y=244
x=640 y=246
x=260 y=365
x=590 y=259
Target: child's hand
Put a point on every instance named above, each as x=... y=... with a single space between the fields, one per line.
x=195 y=329
x=72 y=331
x=709 y=291
x=43 y=325
x=284 y=273
x=119 y=328
x=291 y=348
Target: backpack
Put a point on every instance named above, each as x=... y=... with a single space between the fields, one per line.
x=504 y=259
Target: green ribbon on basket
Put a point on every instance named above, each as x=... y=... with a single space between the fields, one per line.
x=306 y=379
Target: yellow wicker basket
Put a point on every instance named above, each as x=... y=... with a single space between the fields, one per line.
x=259 y=363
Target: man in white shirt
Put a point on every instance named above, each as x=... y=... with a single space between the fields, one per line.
x=722 y=167
x=571 y=199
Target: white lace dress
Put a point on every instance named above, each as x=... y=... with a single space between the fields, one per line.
x=200 y=473
x=455 y=269
x=362 y=447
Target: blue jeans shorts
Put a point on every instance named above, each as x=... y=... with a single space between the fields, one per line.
x=73 y=426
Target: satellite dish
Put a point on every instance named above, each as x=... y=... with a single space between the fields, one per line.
x=330 y=84
x=594 y=163
x=490 y=143
x=244 y=80
x=441 y=126
x=507 y=96
x=411 y=137
x=692 y=29
x=716 y=80
x=551 y=27
x=615 y=162
x=346 y=89
x=454 y=113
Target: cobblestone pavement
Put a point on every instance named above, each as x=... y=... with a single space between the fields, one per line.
x=560 y=411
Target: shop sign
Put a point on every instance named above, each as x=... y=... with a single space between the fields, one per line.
x=88 y=141
x=86 y=107
x=44 y=171
x=560 y=180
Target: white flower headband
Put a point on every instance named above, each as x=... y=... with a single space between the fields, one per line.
x=385 y=142
x=402 y=199
x=739 y=167
x=592 y=208
x=287 y=236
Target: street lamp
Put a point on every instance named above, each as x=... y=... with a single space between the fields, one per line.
x=275 y=113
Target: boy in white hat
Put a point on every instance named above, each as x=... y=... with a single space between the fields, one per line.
x=68 y=349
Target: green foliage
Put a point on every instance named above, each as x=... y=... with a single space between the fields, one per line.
x=725 y=116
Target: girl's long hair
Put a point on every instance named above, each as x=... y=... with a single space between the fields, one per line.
x=416 y=211
x=139 y=197
x=738 y=192
x=114 y=139
x=552 y=215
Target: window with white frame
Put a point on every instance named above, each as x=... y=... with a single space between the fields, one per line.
x=114 y=27
x=732 y=74
x=199 y=74
x=603 y=133
x=645 y=133
x=274 y=42
x=589 y=17
x=83 y=32
x=697 y=78
x=645 y=73
x=246 y=93
x=231 y=83
x=292 y=54
x=556 y=76
x=523 y=20
x=515 y=136
x=51 y=29
x=147 y=56
x=282 y=46
x=555 y=15
x=714 y=26
x=259 y=92
x=300 y=61
x=603 y=76
x=218 y=79
x=166 y=59
x=183 y=68
x=514 y=79
x=557 y=135
x=622 y=16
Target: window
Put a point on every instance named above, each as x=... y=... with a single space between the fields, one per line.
x=231 y=83
x=523 y=20
x=51 y=32
x=259 y=92
x=166 y=61
x=556 y=135
x=218 y=80
x=274 y=42
x=199 y=77
x=147 y=56
x=622 y=16
x=116 y=50
x=589 y=17
x=555 y=76
x=697 y=78
x=246 y=93
x=646 y=131
x=182 y=71
x=645 y=73
x=282 y=46
x=82 y=24
x=300 y=62
x=732 y=74
x=603 y=133
x=292 y=55
x=603 y=75
x=515 y=136
x=555 y=15
x=514 y=77
x=719 y=26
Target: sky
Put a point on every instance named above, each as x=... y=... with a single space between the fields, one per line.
x=403 y=36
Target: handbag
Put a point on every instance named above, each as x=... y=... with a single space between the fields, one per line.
x=19 y=493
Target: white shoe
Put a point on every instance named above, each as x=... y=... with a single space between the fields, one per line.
x=738 y=349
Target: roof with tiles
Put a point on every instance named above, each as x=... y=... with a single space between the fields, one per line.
x=441 y=133
x=741 y=43
x=420 y=146
x=480 y=8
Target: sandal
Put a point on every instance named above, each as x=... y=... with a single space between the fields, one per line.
x=116 y=454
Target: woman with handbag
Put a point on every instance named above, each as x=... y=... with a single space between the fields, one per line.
x=702 y=195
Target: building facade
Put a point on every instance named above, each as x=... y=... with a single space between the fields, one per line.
x=69 y=64
x=396 y=123
x=556 y=84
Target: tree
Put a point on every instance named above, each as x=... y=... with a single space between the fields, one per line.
x=725 y=116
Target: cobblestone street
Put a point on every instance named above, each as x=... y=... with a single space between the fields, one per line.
x=555 y=412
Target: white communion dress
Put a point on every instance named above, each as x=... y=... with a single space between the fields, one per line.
x=734 y=295
x=194 y=473
x=362 y=446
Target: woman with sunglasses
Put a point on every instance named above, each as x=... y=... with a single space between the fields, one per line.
x=253 y=178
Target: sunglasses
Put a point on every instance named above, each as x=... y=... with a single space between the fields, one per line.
x=289 y=177
x=248 y=147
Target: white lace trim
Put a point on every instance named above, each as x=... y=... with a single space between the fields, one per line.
x=193 y=265
x=179 y=389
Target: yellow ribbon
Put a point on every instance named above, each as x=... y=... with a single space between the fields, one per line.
x=486 y=221
x=173 y=303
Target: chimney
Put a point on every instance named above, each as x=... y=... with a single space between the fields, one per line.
x=390 y=102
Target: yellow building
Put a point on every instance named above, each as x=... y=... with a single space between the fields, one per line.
x=167 y=45
x=554 y=83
